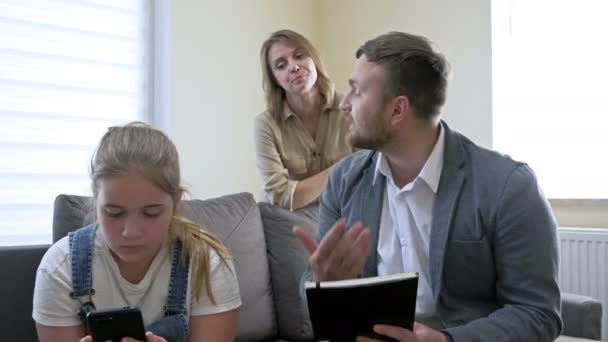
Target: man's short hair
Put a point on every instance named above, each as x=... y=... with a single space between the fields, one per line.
x=412 y=69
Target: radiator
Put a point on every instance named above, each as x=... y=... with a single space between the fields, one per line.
x=583 y=267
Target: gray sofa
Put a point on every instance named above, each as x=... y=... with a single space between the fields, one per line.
x=269 y=261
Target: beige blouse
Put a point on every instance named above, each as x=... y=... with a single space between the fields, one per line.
x=286 y=152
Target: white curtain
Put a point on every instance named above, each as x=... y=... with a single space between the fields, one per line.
x=68 y=70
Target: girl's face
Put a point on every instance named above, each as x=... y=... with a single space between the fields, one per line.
x=134 y=216
x=293 y=69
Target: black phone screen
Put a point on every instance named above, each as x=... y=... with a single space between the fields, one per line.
x=114 y=324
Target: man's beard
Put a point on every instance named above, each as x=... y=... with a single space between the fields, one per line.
x=372 y=141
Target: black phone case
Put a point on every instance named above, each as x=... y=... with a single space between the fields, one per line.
x=114 y=324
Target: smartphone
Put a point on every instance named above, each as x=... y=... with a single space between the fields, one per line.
x=114 y=324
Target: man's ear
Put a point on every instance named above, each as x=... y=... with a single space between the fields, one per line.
x=401 y=109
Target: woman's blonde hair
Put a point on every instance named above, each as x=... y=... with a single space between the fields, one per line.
x=275 y=94
x=141 y=149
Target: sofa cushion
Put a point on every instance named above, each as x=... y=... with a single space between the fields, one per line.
x=71 y=212
x=235 y=219
x=288 y=261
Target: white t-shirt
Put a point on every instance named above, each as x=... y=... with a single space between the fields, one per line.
x=53 y=305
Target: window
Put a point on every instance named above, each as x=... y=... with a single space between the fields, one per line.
x=68 y=70
x=549 y=89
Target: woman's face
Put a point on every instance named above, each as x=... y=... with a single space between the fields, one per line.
x=293 y=69
x=134 y=217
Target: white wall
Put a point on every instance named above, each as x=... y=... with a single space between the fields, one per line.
x=460 y=29
x=216 y=77
x=216 y=85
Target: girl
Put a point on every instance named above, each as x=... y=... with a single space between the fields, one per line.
x=138 y=253
x=302 y=132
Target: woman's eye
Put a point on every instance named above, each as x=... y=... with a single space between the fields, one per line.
x=279 y=66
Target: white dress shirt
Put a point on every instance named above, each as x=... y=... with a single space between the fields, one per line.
x=405 y=225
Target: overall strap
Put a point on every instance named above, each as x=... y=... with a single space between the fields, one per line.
x=81 y=253
x=178 y=284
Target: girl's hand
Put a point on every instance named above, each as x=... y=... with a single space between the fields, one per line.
x=150 y=337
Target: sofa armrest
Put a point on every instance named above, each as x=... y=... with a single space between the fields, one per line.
x=582 y=316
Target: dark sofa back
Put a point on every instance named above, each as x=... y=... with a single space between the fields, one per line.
x=18 y=267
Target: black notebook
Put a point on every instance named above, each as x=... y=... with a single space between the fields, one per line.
x=341 y=310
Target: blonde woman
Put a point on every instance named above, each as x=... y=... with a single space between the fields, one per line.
x=138 y=253
x=302 y=132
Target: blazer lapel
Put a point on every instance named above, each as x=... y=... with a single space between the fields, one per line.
x=450 y=186
x=371 y=210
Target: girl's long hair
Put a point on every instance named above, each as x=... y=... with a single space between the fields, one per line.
x=137 y=148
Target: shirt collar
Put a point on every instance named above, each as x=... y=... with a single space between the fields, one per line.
x=431 y=171
x=328 y=108
x=287 y=111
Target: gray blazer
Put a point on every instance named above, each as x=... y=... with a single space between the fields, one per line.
x=493 y=247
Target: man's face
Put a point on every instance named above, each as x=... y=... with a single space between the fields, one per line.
x=366 y=107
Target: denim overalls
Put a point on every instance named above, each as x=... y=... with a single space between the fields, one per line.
x=173 y=326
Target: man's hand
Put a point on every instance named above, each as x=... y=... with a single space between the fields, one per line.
x=421 y=333
x=339 y=255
